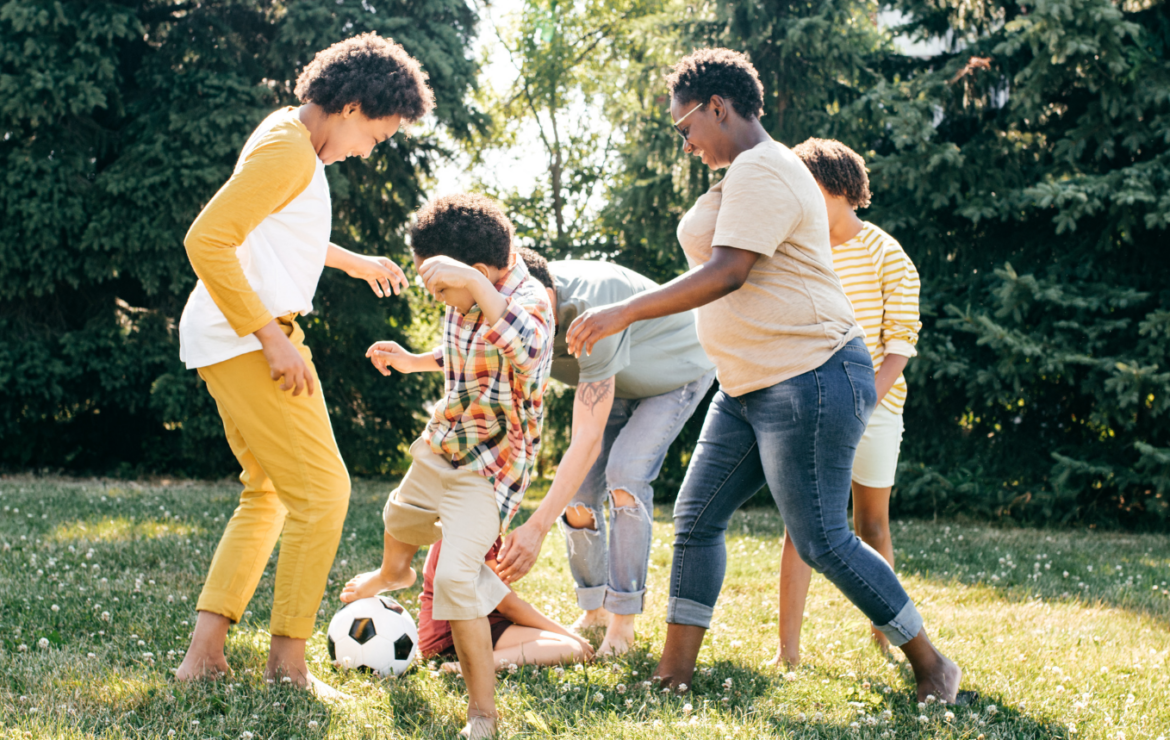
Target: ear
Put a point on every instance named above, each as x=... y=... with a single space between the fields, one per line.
x=718 y=108
x=350 y=109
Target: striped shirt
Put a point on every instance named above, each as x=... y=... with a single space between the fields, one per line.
x=489 y=420
x=882 y=284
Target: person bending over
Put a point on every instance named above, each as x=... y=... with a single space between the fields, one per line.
x=635 y=392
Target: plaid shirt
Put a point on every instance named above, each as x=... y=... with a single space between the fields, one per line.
x=489 y=420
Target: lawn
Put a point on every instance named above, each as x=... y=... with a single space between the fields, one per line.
x=1065 y=633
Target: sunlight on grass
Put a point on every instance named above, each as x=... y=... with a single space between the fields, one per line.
x=1082 y=655
x=119 y=530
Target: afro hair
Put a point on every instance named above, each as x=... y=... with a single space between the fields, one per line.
x=838 y=169
x=373 y=72
x=466 y=227
x=729 y=74
x=537 y=267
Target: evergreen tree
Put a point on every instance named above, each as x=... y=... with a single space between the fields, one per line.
x=119 y=120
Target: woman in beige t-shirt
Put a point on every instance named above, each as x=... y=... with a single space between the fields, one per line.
x=796 y=379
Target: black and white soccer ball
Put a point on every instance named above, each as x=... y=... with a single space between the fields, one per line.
x=374 y=634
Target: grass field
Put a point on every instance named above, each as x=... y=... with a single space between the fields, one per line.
x=1063 y=633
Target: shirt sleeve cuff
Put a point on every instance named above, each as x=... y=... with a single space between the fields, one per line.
x=437 y=353
x=253 y=326
x=900 y=347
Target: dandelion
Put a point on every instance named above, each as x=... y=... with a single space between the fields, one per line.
x=599 y=696
x=91 y=655
x=790 y=676
x=312 y=724
x=992 y=709
x=922 y=718
x=621 y=688
x=949 y=716
x=286 y=679
x=194 y=723
x=43 y=643
x=682 y=687
x=687 y=708
x=921 y=705
x=55 y=608
x=737 y=643
x=930 y=699
x=246 y=735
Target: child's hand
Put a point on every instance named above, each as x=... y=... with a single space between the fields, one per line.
x=442 y=273
x=588 y=654
x=385 y=355
x=382 y=274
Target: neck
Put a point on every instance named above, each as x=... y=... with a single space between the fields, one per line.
x=843 y=228
x=746 y=134
x=314 y=119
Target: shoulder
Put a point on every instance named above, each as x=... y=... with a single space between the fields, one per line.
x=282 y=139
x=879 y=243
x=771 y=167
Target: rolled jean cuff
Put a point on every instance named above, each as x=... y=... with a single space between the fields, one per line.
x=902 y=628
x=590 y=597
x=624 y=602
x=685 y=611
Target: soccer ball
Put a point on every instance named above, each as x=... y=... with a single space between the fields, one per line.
x=374 y=634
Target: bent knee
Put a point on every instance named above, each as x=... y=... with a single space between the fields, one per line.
x=623 y=499
x=580 y=517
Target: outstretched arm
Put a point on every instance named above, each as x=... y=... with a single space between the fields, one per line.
x=724 y=273
x=591 y=406
x=381 y=273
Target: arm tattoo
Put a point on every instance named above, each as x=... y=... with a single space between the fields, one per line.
x=592 y=394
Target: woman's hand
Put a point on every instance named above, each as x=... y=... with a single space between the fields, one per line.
x=587 y=655
x=594 y=325
x=284 y=361
x=382 y=274
x=387 y=355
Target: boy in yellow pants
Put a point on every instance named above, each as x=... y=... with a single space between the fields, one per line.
x=473 y=462
x=259 y=247
x=882 y=284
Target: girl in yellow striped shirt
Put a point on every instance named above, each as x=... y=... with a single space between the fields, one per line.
x=882 y=284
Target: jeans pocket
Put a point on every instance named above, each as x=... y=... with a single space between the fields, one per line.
x=864 y=392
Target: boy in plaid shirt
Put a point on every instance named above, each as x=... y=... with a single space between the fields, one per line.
x=472 y=464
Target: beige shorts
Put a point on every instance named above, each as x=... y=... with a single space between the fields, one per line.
x=876 y=463
x=437 y=501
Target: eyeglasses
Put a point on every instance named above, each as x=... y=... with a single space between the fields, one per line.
x=686 y=136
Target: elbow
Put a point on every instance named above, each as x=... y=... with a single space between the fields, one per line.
x=733 y=280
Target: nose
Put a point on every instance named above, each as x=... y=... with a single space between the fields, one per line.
x=688 y=147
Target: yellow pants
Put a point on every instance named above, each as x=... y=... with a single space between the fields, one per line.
x=295 y=482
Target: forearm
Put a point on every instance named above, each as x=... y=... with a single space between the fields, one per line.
x=571 y=472
x=340 y=258
x=491 y=303
x=887 y=375
x=696 y=288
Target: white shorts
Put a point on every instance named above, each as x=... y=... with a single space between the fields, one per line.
x=876 y=462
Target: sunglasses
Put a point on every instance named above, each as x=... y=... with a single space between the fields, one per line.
x=686 y=134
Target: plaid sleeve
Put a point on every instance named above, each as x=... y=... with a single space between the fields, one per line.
x=437 y=353
x=522 y=335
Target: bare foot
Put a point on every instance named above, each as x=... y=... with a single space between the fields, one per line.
x=592 y=619
x=197 y=666
x=325 y=692
x=880 y=641
x=782 y=661
x=367 y=585
x=619 y=637
x=452 y=667
x=479 y=728
x=942 y=681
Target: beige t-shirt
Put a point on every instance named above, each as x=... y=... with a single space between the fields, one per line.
x=792 y=314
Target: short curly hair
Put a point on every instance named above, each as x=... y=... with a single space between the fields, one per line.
x=373 y=72
x=537 y=267
x=729 y=74
x=467 y=227
x=838 y=169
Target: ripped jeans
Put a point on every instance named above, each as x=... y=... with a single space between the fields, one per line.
x=637 y=435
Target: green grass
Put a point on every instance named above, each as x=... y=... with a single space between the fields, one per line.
x=104 y=575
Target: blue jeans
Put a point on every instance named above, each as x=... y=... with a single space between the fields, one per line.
x=637 y=435
x=798 y=437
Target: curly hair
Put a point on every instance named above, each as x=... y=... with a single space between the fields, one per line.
x=537 y=267
x=466 y=227
x=729 y=74
x=838 y=169
x=373 y=72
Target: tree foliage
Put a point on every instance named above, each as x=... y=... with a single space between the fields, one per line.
x=119 y=120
